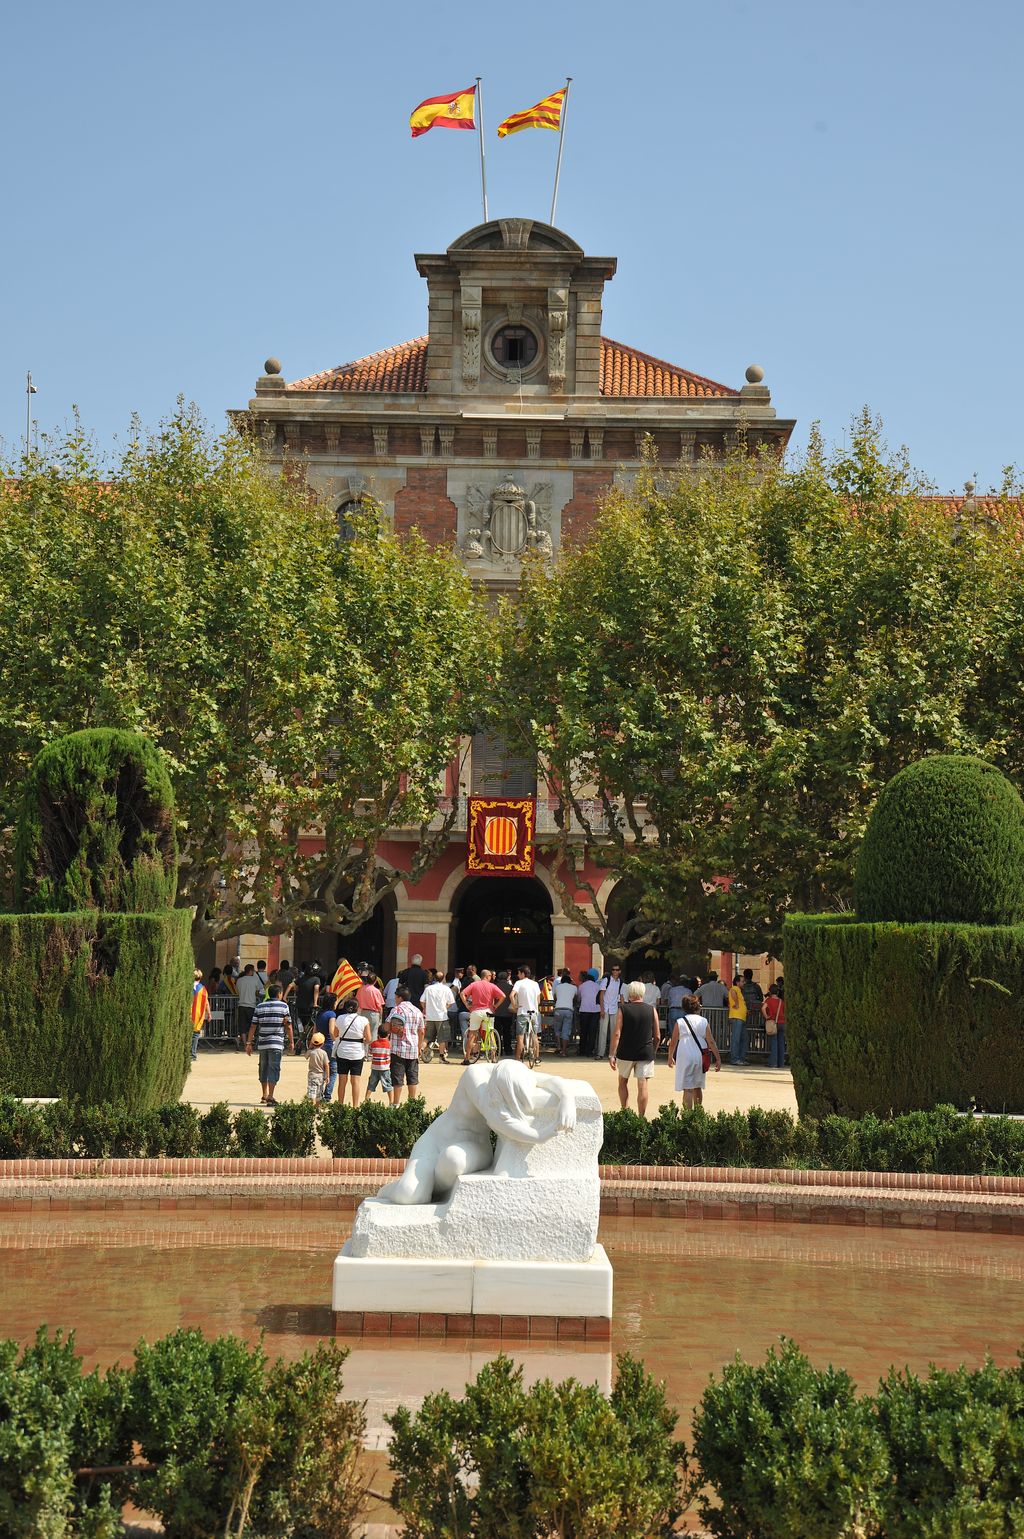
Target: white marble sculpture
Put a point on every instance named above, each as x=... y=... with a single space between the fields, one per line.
x=482 y=1219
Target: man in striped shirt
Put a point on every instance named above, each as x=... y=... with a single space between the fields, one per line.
x=271 y=1024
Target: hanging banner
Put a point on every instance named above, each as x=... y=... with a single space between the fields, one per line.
x=500 y=833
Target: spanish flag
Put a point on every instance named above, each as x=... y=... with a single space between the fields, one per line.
x=346 y=980
x=452 y=111
x=546 y=114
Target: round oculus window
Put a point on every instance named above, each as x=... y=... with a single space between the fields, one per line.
x=514 y=347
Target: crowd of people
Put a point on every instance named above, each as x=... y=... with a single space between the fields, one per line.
x=390 y=1027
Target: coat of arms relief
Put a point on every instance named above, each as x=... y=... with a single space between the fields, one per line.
x=507 y=522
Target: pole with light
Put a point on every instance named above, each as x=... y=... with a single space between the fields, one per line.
x=30 y=391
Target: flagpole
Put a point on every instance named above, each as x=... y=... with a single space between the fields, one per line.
x=480 y=131
x=561 y=140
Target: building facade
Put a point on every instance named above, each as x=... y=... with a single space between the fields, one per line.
x=498 y=430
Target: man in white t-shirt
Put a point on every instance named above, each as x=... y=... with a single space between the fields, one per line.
x=609 y=990
x=438 y=999
x=525 y=1001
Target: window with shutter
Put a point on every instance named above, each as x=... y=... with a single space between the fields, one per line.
x=497 y=771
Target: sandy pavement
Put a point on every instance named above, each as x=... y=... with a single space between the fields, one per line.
x=225 y=1074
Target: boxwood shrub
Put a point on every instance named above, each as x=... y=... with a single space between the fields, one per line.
x=894 y=1017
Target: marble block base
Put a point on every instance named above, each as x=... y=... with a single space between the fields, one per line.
x=373 y=1285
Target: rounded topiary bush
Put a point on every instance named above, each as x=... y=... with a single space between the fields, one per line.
x=944 y=843
x=96 y=829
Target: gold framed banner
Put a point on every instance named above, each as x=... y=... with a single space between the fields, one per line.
x=500 y=832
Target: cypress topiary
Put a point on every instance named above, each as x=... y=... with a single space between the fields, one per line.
x=945 y=843
x=96 y=829
x=96 y=973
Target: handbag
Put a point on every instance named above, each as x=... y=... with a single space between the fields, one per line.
x=707 y=1057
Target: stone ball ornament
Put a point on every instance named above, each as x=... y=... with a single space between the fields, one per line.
x=755 y=374
x=272 y=366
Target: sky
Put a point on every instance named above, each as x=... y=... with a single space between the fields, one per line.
x=831 y=190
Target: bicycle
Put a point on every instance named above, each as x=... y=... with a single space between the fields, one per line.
x=487 y=1044
x=531 y=1044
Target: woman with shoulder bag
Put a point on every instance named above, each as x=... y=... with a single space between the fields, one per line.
x=692 y=1050
x=351 y=1047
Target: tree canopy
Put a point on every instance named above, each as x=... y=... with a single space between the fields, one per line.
x=730 y=664
x=293 y=680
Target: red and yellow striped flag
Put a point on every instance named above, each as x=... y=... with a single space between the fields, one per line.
x=546 y=114
x=346 y=980
x=452 y=111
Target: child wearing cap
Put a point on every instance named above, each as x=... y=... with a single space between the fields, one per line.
x=380 y=1060
x=318 y=1067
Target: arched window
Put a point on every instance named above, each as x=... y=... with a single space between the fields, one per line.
x=344 y=512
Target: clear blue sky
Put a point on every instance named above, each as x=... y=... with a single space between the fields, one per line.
x=830 y=189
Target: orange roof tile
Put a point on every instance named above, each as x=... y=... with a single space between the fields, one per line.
x=626 y=371
x=402 y=370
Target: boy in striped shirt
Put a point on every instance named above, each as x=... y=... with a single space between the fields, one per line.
x=380 y=1059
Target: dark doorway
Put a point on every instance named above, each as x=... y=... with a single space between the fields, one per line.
x=502 y=921
x=375 y=941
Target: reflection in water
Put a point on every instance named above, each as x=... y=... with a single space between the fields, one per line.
x=687 y=1296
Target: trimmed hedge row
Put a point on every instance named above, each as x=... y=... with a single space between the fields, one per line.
x=941 y=1141
x=96 y=1005
x=894 y=1017
x=779 y=1450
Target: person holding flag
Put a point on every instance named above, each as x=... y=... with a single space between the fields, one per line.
x=346 y=980
x=200 y=1010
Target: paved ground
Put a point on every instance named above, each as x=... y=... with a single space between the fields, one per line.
x=222 y=1074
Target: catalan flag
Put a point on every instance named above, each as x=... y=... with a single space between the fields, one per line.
x=346 y=980
x=455 y=110
x=546 y=114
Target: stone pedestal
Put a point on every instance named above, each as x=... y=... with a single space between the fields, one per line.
x=510 y=1247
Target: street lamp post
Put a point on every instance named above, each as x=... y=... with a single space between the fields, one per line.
x=30 y=391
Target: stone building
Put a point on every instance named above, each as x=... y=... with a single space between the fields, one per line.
x=499 y=429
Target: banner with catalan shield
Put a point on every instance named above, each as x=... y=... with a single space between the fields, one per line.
x=500 y=835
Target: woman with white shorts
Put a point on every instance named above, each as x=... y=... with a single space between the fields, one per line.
x=691 y=1038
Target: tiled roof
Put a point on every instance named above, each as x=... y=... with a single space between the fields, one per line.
x=625 y=371
x=402 y=370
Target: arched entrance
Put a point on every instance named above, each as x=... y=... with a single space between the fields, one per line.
x=501 y=922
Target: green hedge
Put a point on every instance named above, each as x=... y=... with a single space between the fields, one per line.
x=230 y=1442
x=894 y=1017
x=942 y=1140
x=96 y=1006
x=784 y=1450
x=96 y=827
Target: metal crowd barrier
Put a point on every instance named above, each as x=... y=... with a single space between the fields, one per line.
x=223 y=1023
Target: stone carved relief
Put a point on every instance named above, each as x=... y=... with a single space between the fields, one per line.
x=471 y=296
x=506 y=523
x=558 y=325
